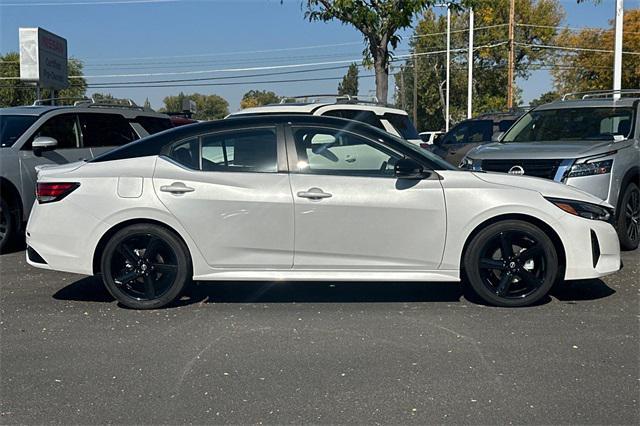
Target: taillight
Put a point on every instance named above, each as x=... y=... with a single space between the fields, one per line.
x=48 y=192
x=424 y=145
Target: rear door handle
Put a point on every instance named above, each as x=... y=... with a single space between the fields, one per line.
x=314 y=194
x=176 y=188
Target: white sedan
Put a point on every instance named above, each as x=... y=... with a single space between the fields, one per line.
x=305 y=198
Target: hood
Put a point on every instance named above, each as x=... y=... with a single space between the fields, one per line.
x=51 y=169
x=547 y=188
x=541 y=150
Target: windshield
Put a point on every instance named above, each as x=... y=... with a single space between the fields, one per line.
x=572 y=124
x=13 y=126
x=403 y=125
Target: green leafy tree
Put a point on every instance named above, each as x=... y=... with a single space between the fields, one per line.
x=490 y=63
x=349 y=84
x=586 y=70
x=545 y=98
x=209 y=107
x=254 y=98
x=379 y=22
x=16 y=92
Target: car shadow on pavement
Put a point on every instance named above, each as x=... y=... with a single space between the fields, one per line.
x=90 y=289
x=581 y=290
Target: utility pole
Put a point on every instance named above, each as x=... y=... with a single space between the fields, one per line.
x=617 y=55
x=512 y=24
x=415 y=90
x=402 y=93
x=470 y=73
x=446 y=126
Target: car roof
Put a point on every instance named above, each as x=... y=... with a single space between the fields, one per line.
x=152 y=145
x=38 y=110
x=310 y=108
x=589 y=103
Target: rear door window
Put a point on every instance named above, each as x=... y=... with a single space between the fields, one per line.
x=105 y=130
x=154 y=124
x=251 y=150
x=13 y=126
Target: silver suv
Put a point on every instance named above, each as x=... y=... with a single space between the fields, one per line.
x=592 y=143
x=37 y=135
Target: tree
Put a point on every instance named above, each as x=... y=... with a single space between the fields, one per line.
x=379 y=22
x=349 y=84
x=490 y=63
x=16 y=92
x=579 y=71
x=254 y=98
x=545 y=98
x=208 y=107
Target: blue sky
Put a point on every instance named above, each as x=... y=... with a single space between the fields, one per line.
x=211 y=34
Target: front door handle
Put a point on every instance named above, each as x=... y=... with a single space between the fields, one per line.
x=176 y=188
x=314 y=194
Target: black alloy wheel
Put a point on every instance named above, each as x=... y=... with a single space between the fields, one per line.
x=511 y=263
x=629 y=218
x=145 y=266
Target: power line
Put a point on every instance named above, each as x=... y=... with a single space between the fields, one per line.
x=572 y=28
x=577 y=49
x=86 y=3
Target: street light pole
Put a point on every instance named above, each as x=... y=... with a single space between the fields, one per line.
x=617 y=55
x=470 y=73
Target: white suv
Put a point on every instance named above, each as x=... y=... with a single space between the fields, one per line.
x=392 y=120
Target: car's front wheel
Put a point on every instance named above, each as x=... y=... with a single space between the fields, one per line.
x=145 y=266
x=629 y=218
x=511 y=263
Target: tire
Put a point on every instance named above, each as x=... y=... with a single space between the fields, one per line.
x=521 y=278
x=8 y=226
x=628 y=221
x=145 y=266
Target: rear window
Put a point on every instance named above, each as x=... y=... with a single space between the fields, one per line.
x=403 y=125
x=154 y=124
x=13 y=126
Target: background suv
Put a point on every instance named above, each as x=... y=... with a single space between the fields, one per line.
x=468 y=134
x=590 y=143
x=37 y=135
x=391 y=120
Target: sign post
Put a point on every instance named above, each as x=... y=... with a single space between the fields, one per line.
x=43 y=59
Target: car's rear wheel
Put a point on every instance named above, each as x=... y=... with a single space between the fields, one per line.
x=629 y=218
x=8 y=226
x=511 y=263
x=145 y=266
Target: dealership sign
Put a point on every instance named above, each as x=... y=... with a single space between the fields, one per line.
x=43 y=58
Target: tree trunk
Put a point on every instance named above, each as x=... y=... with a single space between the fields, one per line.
x=381 y=65
x=382 y=82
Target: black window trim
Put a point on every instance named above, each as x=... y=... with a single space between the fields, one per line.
x=26 y=146
x=281 y=154
x=292 y=153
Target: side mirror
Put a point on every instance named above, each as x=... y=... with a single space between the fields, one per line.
x=43 y=143
x=406 y=168
x=497 y=136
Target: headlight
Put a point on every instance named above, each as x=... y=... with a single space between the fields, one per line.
x=586 y=210
x=469 y=164
x=591 y=168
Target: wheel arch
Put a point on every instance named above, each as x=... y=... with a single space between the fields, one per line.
x=97 y=253
x=555 y=238
x=632 y=175
x=12 y=196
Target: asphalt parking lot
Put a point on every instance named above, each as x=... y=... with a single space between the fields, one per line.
x=317 y=353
